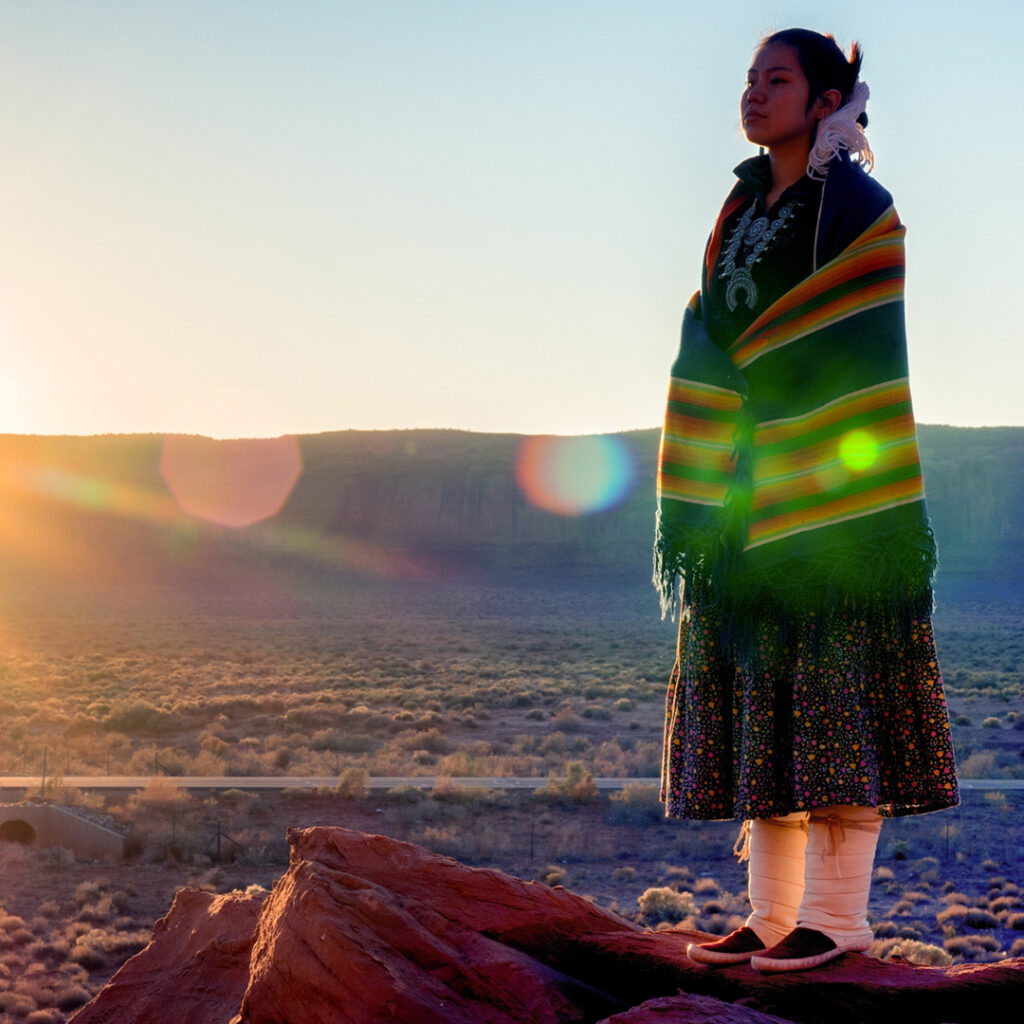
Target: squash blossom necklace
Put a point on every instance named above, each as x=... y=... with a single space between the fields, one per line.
x=757 y=235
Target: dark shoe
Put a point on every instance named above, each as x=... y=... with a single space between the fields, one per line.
x=800 y=950
x=736 y=948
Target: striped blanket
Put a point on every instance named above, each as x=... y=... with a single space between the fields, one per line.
x=789 y=476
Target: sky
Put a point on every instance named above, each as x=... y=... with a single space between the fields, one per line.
x=243 y=218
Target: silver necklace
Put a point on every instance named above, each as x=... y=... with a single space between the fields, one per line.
x=758 y=234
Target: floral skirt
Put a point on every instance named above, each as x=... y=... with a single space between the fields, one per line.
x=832 y=711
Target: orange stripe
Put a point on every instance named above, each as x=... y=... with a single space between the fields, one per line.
x=704 y=395
x=891 y=393
x=839 y=510
x=680 y=453
x=832 y=475
x=817 y=453
x=771 y=338
x=698 y=491
x=679 y=425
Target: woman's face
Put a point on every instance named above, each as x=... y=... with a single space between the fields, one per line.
x=774 y=105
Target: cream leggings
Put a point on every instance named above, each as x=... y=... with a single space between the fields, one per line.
x=812 y=870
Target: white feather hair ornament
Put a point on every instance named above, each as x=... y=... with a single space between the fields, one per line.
x=840 y=131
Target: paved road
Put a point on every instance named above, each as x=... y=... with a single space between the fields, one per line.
x=121 y=782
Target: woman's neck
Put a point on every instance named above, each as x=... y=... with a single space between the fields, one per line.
x=789 y=165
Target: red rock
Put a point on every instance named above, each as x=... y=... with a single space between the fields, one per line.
x=195 y=968
x=692 y=1010
x=334 y=947
x=365 y=929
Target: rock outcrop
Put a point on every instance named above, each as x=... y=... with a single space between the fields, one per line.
x=367 y=929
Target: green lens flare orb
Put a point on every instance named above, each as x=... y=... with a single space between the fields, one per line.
x=858 y=450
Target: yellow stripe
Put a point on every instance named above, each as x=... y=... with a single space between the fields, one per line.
x=799 y=460
x=823 y=478
x=698 y=491
x=902 y=493
x=707 y=396
x=711 y=457
x=869 y=399
x=872 y=297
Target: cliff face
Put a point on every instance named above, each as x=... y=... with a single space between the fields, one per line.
x=367 y=929
x=431 y=501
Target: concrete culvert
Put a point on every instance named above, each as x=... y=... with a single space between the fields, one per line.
x=17 y=831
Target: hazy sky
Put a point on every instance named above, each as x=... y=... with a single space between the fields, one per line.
x=245 y=218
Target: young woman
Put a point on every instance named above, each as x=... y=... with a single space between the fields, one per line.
x=806 y=697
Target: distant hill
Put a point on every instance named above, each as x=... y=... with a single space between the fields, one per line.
x=422 y=502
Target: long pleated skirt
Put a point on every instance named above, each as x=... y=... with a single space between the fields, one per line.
x=833 y=710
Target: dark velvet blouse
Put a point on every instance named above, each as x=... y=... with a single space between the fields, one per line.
x=785 y=261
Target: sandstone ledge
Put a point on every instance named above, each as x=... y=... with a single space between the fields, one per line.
x=367 y=929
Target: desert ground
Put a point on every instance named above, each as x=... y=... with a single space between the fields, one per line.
x=439 y=678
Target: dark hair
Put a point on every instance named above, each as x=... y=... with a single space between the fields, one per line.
x=824 y=65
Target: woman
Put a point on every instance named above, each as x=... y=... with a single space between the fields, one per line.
x=806 y=697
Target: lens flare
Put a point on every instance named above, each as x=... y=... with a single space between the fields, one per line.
x=858 y=450
x=574 y=475
x=234 y=483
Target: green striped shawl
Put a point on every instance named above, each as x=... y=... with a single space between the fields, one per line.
x=788 y=475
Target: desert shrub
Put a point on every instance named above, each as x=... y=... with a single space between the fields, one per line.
x=623 y=704
x=101 y=910
x=406 y=795
x=979 y=765
x=139 y=716
x=597 y=712
x=978 y=918
x=160 y=793
x=354 y=743
x=70 y=995
x=88 y=956
x=566 y=720
x=884 y=874
x=970 y=946
x=553 y=875
x=47 y=1015
x=989 y=865
x=1015 y=922
x=353 y=782
x=16 y=1004
x=922 y=953
x=923 y=865
x=992 y=723
x=432 y=740
x=325 y=739
x=627 y=874
x=955 y=913
x=914 y=896
x=665 y=904
x=536 y=714
x=577 y=787
x=1017 y=947
x=635 y=805
x=87 y=891
x=899 y=849
x=241 y=799
x=884 y=929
